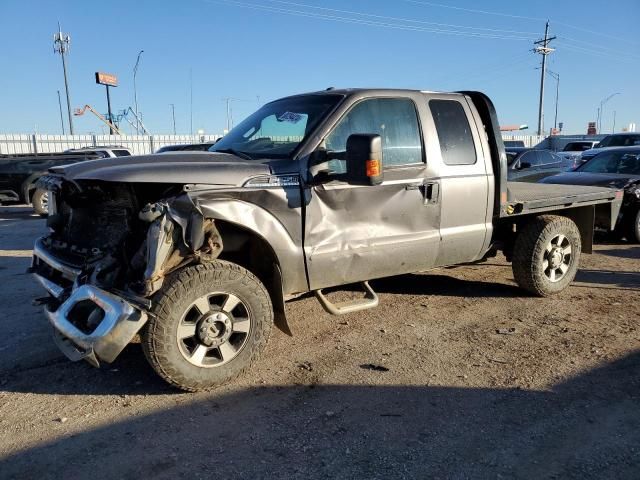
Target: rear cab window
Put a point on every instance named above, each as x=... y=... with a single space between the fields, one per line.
x=454 y=132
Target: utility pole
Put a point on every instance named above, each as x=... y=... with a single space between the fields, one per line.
x=61 y=116
x=613 y=129
x=173 y=114
x=191 y=101
x=542 y=47
x=135 y=91
x=61 y=44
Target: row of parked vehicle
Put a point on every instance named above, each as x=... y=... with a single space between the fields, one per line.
x=613 y=162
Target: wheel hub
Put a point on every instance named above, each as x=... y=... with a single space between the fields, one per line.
x=556 y=257
x=215 y=329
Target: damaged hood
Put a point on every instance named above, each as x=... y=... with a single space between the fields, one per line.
x=184 y=167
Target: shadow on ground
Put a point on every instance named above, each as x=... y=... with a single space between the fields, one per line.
x=587 y=427
x=609 y=279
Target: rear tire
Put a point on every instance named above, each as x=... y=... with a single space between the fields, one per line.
x=40 y=202
x=546 y=255
x=210 y=323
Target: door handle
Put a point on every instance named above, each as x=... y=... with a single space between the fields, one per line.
x=431 y=192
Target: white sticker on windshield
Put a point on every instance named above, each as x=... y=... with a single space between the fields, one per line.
x=290 y=117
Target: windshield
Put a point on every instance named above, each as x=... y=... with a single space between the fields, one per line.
x=619 y=141
x=277 y=129
x=613 y=162
x=577 y=146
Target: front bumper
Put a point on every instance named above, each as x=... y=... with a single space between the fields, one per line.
x=71 y=306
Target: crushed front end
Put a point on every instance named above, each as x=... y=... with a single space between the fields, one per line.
x=109 y=249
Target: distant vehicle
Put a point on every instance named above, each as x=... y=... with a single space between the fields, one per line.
x=513 y=144
x=19 y=174
x=106 y=151
x=573 y=150
x=202 y=147
x=531 y=165
x=626 y=139
x=616 y=168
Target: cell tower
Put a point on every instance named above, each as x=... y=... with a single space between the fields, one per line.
x=61 y=44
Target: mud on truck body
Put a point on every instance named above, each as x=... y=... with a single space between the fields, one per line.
x=197 y=252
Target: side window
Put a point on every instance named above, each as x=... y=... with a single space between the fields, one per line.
x=548 y=158
x=531 y=158
x=454 y=132
x=394 y=119
x=121 y=153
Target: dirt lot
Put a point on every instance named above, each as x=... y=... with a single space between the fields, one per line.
x=479 y=381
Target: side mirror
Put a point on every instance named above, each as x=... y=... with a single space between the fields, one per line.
x=364 y=159
x=524 y=165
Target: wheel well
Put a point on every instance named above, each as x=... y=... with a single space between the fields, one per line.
x=247 y=249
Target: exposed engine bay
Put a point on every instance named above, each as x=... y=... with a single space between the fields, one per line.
x=110 y=247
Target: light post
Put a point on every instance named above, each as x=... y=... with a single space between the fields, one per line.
x=601 y=109
x=135 y=91
x=173 y=114
x=556 y=77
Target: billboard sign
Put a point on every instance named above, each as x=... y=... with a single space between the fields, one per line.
x=108 y=79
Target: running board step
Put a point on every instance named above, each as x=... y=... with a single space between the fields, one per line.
x=370 y=300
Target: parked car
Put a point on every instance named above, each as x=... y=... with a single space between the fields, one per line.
x=107 y=151
x=202 y=147
x=513 y=144
x=19 y=174
x=572 y=152
x=531 y=165
x=198 y=251
x=616 y=168
x=625 y=139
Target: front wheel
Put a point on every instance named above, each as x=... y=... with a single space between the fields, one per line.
x=633 y=227
x=546 y=255
x=210 y=323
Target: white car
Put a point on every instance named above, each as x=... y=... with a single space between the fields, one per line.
x=107 y=151
x=573 y=150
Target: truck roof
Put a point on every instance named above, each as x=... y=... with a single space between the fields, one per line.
x=367 y=92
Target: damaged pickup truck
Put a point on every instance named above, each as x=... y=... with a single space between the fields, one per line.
x=197 y=252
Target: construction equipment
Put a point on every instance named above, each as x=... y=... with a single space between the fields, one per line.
x=81 y=111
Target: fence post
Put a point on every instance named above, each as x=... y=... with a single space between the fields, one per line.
x=151 y=144
x=34 y=142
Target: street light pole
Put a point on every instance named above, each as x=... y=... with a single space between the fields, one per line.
x=556 y=77
x=602 y=104
x=173 y=114
x=61 y=43
x=135 y=91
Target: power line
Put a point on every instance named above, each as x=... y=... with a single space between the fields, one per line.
x=360 y=21
x=386 y=17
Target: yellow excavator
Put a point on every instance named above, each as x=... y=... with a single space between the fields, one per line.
x=81 y=111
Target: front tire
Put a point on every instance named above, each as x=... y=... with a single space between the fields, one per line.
x=546 y=255
x=633 y=227
x=210 y=323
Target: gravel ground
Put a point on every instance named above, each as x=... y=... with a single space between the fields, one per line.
x=457 y=374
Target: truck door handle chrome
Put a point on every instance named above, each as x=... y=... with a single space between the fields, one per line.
x=413 y=186
x=431 y=192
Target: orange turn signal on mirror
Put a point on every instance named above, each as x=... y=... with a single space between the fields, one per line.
x=373 y=168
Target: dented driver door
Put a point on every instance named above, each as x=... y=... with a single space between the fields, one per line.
x=355 y=233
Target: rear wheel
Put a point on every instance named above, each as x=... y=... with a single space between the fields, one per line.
x=210 y=323
x=40 y=202
x=546 y=255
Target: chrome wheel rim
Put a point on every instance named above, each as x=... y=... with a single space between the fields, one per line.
x=44 y=201
x=214 y=329
x=557 y=258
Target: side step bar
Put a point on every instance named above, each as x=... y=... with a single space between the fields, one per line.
x=370 y=300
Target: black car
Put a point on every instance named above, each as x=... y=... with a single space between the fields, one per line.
x=531 y=165
x=201 y=147
x=615 y=168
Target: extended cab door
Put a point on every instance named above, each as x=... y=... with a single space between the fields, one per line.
x=355 y=233
x=460 y=160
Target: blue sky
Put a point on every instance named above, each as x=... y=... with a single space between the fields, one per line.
x=247 y=49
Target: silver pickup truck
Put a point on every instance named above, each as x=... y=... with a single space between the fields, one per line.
x=197 y=252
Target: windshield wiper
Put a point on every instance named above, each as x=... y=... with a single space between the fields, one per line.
x=237 y=153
